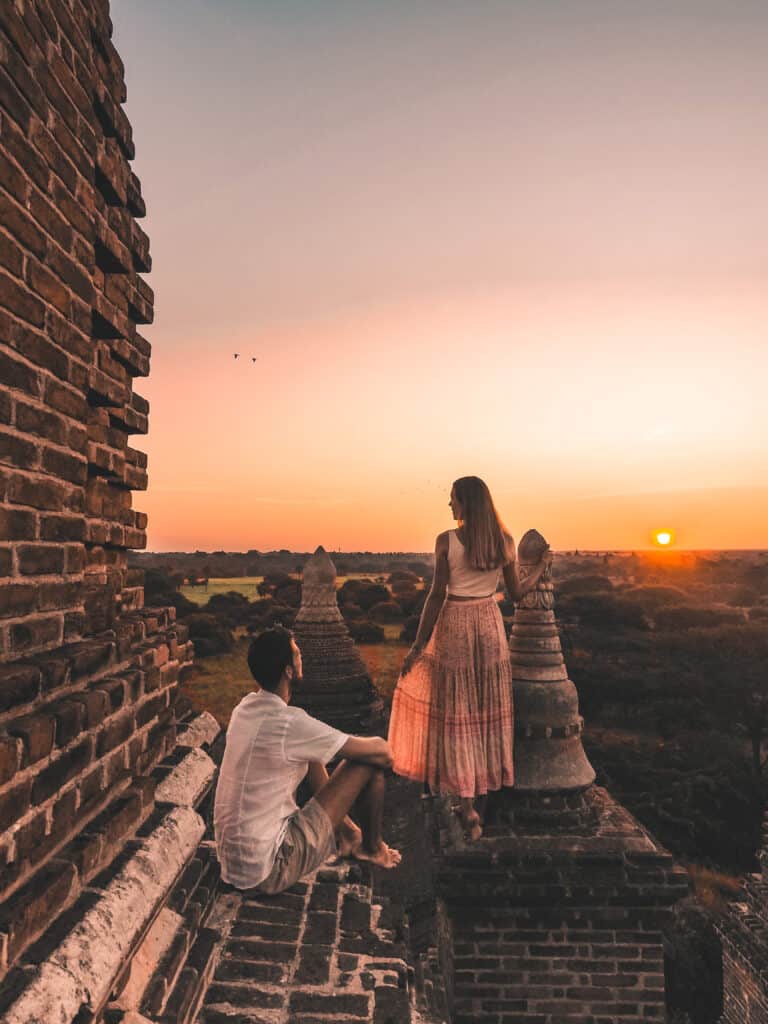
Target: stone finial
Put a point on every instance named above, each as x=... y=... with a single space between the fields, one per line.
x=318 y=590
x=549 y=756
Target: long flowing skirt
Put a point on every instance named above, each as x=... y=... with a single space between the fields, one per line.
x=452 y=723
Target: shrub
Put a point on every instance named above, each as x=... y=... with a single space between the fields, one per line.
x=366 y=632
x=586 y=584
x=371 y=594
x=605 y=611
x=386 y=611
x=209 y=635
x=352 y=612
x=654 y=596
x=412 y=601
x=403 y=577
x=688 y=616
x=231 y=608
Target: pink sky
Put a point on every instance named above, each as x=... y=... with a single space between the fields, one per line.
x=526 y=241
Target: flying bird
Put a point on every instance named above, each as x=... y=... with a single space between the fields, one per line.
x=254 y=358
x=236 y=354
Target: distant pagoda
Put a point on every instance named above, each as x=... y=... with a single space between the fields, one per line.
x=337 y=687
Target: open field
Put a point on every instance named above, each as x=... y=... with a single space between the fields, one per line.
x=248 y=586
x=216 y=684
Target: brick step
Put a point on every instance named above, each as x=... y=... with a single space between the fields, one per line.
x=322 y=950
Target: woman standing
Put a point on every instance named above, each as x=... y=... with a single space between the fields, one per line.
x=452 y=722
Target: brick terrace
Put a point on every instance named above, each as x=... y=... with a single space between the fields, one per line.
x=323 y=950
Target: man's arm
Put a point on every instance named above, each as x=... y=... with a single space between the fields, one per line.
x=368 y=749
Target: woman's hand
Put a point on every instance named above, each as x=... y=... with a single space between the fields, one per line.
x=411 y=657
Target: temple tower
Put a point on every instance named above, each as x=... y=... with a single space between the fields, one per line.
x=337 y=687
x=556 y=912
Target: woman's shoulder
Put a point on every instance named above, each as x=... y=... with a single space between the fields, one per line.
x=442 y=541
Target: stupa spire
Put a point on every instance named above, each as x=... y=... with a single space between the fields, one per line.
x=336 y=687
x=549 y=756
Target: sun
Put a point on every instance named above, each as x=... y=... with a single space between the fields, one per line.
x=663 y=538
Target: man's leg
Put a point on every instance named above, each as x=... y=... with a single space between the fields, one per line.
x=351 y=780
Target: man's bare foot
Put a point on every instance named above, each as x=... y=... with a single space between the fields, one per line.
x=385 y=856
x=349 y=839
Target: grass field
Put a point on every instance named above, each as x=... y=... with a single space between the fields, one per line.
x=247 y=586
x=216 y=684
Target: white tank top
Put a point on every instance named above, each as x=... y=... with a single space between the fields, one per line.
x=463 y=579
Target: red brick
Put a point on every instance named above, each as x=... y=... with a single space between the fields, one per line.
x=41 y=422
x=115 y=732
x=68 y=467
x=66 y=400
x=95 y=706
x=17 y=298
x=17 y=451
x=39 y=493
x=17 y=525
x=37 y=732
x=28 y=635
x=11 y=255
x=14 y=803
x=18 y=223
x=60 y=771
x=39 y=350
x=61 y=528
x=30 y=910
x=40 y=559
x=70 y=716
x=13 y=179
x=19 y=684
x=10 y=757
x=17 y=599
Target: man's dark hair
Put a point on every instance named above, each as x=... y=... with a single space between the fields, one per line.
x=269 y=655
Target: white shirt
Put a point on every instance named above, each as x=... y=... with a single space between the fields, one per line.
x=269 y=747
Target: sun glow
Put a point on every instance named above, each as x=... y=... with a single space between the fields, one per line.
x=663 y=538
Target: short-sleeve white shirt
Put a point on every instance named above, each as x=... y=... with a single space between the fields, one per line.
x=268 y=750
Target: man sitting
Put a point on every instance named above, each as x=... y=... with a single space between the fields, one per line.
x=263 y=839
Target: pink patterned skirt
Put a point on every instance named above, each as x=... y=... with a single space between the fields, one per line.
x=452 y=723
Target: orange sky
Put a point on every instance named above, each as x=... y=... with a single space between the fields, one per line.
x=524 y=241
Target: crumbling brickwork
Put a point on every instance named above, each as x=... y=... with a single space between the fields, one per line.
x=89 y=677
x=744 y=936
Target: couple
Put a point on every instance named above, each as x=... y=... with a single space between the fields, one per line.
x=451 y=724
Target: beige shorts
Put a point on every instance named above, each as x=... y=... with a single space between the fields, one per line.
x=308 y=842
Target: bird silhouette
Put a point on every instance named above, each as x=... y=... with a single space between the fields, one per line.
x=254 y=358
x=236 y=354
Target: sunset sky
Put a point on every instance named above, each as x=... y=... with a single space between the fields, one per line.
x=525 y=239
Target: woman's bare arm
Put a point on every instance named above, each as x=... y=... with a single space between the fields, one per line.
x=432 y=605
x=517 y=588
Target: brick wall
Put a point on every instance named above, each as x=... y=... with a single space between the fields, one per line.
x=560 y=925
x=88 y=676
x=743 y=932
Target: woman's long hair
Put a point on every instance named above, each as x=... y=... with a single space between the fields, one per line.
x=485 y=539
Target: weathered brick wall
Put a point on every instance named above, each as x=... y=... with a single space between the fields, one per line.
x=554 y=926
x=88 y=677
x=744 y=936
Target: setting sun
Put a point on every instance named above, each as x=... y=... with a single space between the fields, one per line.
x=663 y=538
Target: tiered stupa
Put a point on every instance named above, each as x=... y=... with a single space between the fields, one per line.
x=551 y=769
x=337 y=687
